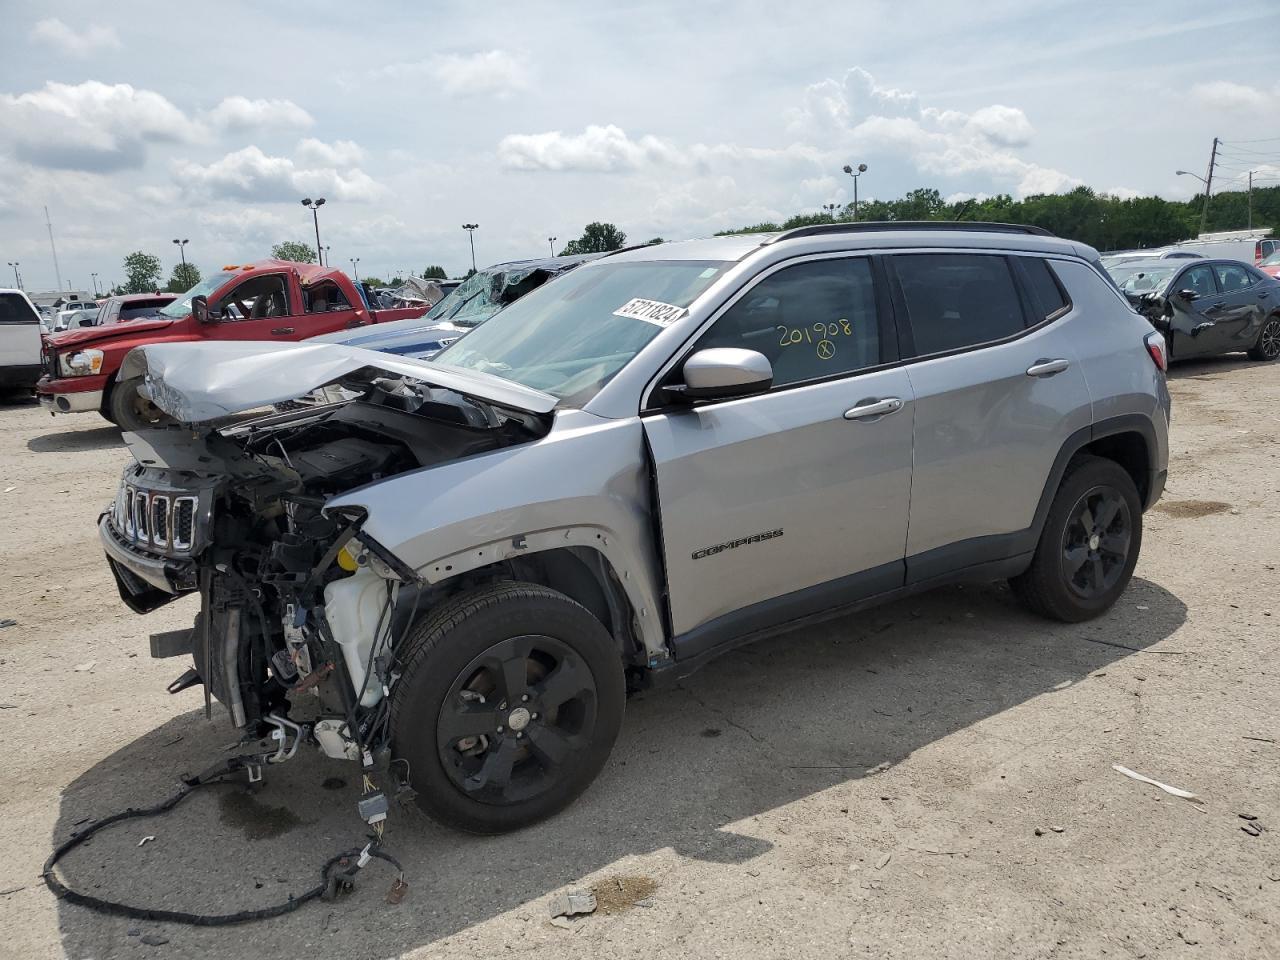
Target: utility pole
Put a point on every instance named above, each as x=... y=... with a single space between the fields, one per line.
x=1251 y=173
x=1208 y=185
x=56 y=272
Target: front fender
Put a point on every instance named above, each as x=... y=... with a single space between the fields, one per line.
x=587 y=483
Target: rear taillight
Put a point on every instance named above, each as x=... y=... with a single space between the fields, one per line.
x=1158 y=349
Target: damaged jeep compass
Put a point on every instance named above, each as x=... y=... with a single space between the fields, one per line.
x=666 y=453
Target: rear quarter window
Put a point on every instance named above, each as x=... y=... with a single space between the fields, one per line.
x=1048 y=297
x=14 y=308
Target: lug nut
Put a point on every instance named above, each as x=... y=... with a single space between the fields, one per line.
x=519 y=735
x=525 y=697
x=499 y=729
x=533 y=716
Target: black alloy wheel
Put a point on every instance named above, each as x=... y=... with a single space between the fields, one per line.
x=513 y=718
x=1088 y=546
x=509 y=703
x=1268 y=346
x=1095 y=543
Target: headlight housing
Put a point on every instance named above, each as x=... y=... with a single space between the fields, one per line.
x=80 y=363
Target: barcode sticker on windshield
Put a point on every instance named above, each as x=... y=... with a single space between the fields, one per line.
x=650 y=311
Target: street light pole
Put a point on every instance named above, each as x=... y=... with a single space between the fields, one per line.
x=17 y=281
x=355 y=269
x=471 y=235
x=325 y=261
x=552 y=241
x=862 y=168
x=314 y=206
x=1251 y=173
x=95 y=283
x=182 y=251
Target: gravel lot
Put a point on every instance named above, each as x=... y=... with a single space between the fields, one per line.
x=930 y=779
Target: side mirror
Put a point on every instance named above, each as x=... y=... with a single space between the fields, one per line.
x=85 y=322
x=720 y=373
x=1188 y=295
x=200 y=310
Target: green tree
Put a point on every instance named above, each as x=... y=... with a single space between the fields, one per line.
x=142 y=272
x=184 y=277
x=596 y=238
x=434 y=273
x=655 y=240
x=471 y=272
x=293 y=251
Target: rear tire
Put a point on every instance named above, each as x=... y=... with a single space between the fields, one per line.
x=1089 y=545
x=1268 y=346
x=130 y=410
x=508 y=707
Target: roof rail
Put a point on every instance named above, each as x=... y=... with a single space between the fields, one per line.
x=881 y=226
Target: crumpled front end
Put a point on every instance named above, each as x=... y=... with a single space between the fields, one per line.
x=298 y=607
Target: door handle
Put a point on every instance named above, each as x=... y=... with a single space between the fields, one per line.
x=282 y=331
x=355 y=323
x=873 y=408
x=1203 y=326
x=1047 y=368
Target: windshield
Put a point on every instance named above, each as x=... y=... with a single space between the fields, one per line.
x=1145 y=277
x=182 y=306
x=473 y=301
x=566 y=338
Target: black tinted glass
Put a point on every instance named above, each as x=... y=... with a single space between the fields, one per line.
x=1048 y=295
x=15 y=309
x=958 y=300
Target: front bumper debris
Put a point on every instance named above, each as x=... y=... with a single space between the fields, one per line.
x=146 y=583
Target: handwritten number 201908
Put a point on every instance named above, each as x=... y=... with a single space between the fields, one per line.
x=824 y=331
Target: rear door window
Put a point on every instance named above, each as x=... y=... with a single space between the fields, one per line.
x=14 y=308
x=1232 y=277
x=957 y=300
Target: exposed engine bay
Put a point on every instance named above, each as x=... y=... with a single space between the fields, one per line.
x=299 y=610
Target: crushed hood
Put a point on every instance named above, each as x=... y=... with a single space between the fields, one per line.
x=198 y=382
x=81 y=336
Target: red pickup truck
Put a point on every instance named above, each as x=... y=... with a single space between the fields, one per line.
x=267 y=300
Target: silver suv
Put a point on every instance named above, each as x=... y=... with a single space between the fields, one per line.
x=659 y=456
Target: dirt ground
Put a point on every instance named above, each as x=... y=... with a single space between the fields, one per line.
x=930 y=779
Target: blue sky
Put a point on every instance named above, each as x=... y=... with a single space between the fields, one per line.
x=138 y=123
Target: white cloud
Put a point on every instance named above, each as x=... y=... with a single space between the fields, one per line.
x=1225 y=95
x=251 y=175
x=238 y=114
x=1004 y=126
x=1123 y=193
x=494 y=73
x=597 y=149
x=340 y=153
x=836 y=120
x=82 y=44
x=91 y=125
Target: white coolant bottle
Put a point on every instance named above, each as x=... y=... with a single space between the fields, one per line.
x=353 y=607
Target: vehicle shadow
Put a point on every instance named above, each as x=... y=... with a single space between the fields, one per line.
x=1210 y=368
x=76 y=441
x=764 y=727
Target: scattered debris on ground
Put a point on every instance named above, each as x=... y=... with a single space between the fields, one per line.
x=616 y=894
x=573 y=904
x=1172 y=791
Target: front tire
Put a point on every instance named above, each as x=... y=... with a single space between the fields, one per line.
x=1089 y=545
x=510 y=701
x=130 y=410
x=1268 y=345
